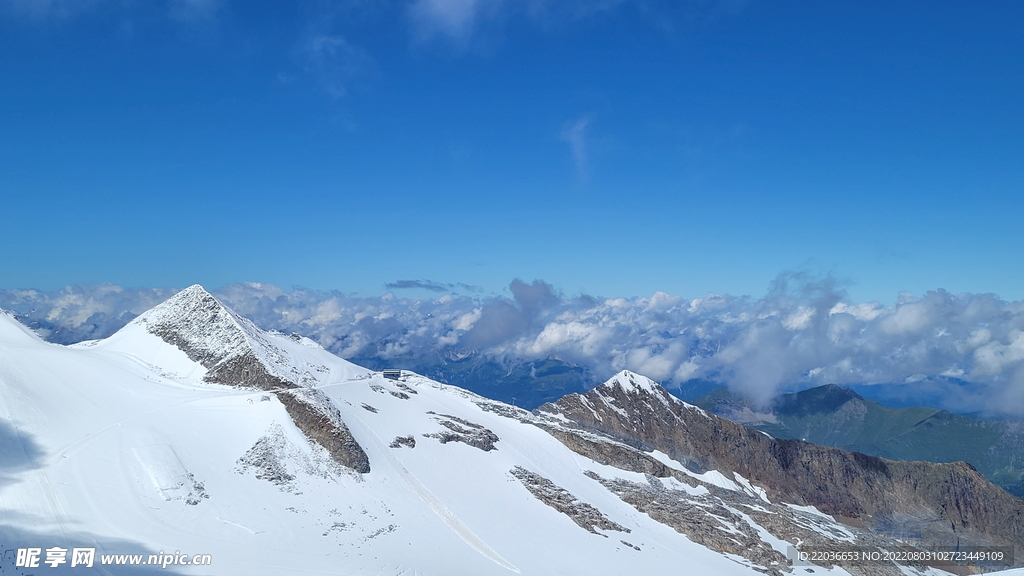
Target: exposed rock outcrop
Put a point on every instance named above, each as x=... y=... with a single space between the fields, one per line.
x=400 y=441
x=318 y=419
x=460 y=430
x=704 y=520
x=584 y=515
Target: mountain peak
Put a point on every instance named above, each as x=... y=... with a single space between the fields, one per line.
x=232 y=348
x=194 y=289
x=193 y=301
x=835 y=389
x=821 y=399
x=626 y=393
x=632 y=382
x=195 y=318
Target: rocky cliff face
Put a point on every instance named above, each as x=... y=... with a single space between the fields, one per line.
x=236 y=352
x=932 y=504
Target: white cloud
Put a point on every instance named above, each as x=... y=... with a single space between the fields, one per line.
x=864 y=311
x=805 y=334
x=800 y=319
x=81 y=312
x=993 y=358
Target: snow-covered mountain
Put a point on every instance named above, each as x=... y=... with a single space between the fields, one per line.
x=192 y=431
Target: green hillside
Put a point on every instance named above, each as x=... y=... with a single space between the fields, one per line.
x=838 y=416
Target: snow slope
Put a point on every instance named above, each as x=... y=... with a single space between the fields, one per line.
x=122 y=445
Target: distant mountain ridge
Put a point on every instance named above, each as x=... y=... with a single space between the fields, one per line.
x=838 y=416
x=526 y=384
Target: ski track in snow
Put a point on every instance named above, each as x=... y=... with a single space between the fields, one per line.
x=51 y=495
x=436 y=505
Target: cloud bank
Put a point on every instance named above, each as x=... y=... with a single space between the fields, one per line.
x=81 y=312
x=803 y=332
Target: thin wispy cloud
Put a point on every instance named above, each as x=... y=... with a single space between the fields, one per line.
x=417 y=284
x=548 y=12
x=458 y=21
x=430 y=285
x=334 y=63
x=452 y=19
x=194 y=11
x=575 y=134
x=186 y=12
x=48 y=9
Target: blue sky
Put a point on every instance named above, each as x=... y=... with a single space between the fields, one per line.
x=612 y=147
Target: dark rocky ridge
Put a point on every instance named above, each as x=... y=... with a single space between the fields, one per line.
x=324 y=426
x=712 y=519
x=209 y=333
x=934 y=504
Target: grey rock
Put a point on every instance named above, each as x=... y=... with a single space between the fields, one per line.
x=400 y=441
x=460 y=430
x=584 y=515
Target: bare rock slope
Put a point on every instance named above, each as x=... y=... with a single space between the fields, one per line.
x=928 y=503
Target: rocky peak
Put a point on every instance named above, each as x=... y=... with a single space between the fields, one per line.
x=195 y=321
x=631 y=382
x=628 y=388
x=628 y=407
x=634 y=395
x=233 y=349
